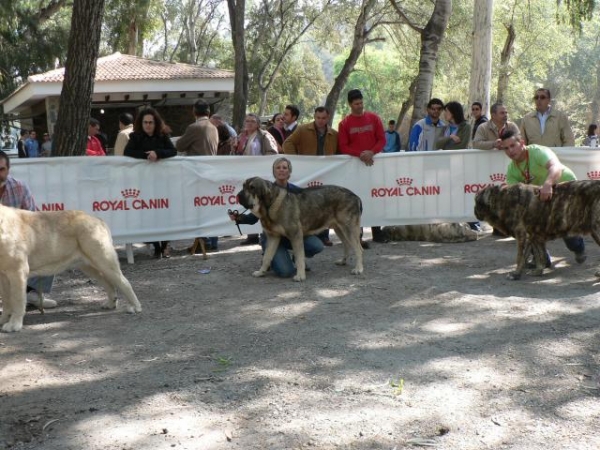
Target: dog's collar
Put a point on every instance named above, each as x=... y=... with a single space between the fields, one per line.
x=276 y=205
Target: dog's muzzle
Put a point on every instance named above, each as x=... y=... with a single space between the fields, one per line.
x=243 y=200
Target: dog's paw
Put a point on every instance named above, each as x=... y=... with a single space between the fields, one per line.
x=259 y=273
x=356 y=271
x=110 y=304
x=299 y=277
x=513 y=276
x=341 y=262
x=11 y=327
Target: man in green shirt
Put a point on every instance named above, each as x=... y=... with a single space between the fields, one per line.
x=538 y=165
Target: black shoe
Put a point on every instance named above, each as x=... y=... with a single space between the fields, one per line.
x=250 y=241
x=364 y=244
x=381 y=239
x=580 y=257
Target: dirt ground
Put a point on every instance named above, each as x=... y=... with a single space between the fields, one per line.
x=431 y=347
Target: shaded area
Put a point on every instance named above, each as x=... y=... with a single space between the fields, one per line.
x=432 y=344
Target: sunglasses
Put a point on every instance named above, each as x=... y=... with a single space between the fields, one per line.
x=540 y=97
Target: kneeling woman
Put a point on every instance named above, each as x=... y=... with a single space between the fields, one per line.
x=282 y=264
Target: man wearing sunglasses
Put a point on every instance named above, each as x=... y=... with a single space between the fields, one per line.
x=546 y=125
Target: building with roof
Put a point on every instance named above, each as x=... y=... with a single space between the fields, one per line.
x=123 y=83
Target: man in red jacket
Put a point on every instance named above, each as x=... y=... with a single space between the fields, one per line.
x=361 y=134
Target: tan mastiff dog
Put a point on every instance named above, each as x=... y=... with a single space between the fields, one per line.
x=46 y=243
x=315 y=209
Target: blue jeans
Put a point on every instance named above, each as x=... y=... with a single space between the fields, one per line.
x=41 y=283
x=575 y=244
x=282 y=264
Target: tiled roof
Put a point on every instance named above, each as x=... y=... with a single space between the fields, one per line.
x=118 y=67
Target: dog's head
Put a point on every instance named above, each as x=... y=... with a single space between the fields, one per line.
x=486 y=203
x=255 y=193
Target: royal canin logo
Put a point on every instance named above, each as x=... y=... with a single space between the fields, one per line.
x=226 y=197
x=130 y=201
x=405 y=188
x=227 y=189
x=495 y=178
x=314 y=183
x=594 y=174
x=53 y=206
x=130 y=193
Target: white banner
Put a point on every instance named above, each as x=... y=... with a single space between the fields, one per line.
x=187 y=197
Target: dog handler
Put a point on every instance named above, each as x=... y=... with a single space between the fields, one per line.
x=16 y=194
x=539 y=166
x=282 y=263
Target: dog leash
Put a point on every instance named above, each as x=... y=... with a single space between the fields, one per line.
x=235 y=213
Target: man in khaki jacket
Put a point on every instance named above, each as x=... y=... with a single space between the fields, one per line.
x=316 y=138
x=488 y=133
x=125 y=129
x=546 y=126
x=200 y=138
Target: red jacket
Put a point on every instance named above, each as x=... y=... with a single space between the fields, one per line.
x=94 y=147
x=359 y=133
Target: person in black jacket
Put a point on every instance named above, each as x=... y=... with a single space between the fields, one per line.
x=150 y=141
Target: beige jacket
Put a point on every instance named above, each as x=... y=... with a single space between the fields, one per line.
x=199 y=139
x=488 y=133
x=303 y=141
x=122 y=140
x=556 y=134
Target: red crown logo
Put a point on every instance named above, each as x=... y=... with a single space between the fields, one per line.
x=130 y=193
x=498 y=177
x=227 y=189
x=404 y=181
x=594 y=174
x=314 y=183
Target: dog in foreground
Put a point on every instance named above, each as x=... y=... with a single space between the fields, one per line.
x=47 y=243
x=294 y=216
x=516 y=210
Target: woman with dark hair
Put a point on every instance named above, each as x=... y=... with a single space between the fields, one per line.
x=457 y=133
x=592 y=136
x=150 y=141
x=277 y=130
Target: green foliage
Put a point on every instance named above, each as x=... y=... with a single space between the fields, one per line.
x=29 y=44
x=574 y=12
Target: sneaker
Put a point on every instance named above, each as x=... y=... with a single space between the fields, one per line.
x=580 y=257
x=33 y=299
x=475 y=226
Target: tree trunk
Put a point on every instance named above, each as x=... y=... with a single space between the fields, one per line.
x=481 y=53
x=78 y=85
x=406 y=104
x=504 y=71
x=132 y=36
x=596 y=100
x=361 y=33
x=431 y=37
x=237 y=12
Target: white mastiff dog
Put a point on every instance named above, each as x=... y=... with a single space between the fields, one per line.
x=46 y=243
